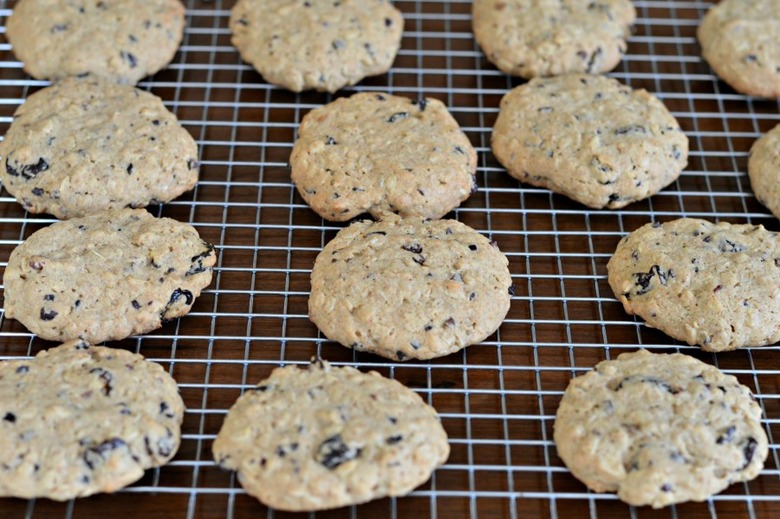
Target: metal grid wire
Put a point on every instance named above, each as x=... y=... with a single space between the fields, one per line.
x=497 y=400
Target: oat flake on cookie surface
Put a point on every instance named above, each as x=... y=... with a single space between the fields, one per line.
x=659 y=429
x=326 y=437
x=80 y=419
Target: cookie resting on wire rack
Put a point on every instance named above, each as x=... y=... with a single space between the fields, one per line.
x=84 y=146
x=713 y=285
x=326 y=437
x=317 y=44
x=531 y=38
x=409 y=288
x=590 y=138
x=659 y=429
x=80 y=419
x=120 y=40
x=764 y=170
x=106 y=277
x=739 y=40
x=382 y=154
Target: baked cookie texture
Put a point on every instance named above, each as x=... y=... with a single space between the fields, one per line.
x=85 y=146
x=764 y=170
x=739 y=40
x=81 y=419
x=532 y=38
x=106 y=277
x=325 y=437
x=409 y=288
x=714 y=285
x=121 y=40
x=696 y=431
x=317 y=44
x=590 y=138
x=382 y=154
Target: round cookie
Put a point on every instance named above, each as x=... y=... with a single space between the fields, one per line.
x=697 y=432
x=121 y=40
x=81 y=419
x=589 y=138
x=106 y=277
x=327 y=437
x=739 y=39
x=763 y=168
x=409 y=288
x=531 y=38
x=85 y=146
x=715 y=285
x=382 y=154
x=319 y=44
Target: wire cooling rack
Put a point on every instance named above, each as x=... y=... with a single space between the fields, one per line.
x=498 y=399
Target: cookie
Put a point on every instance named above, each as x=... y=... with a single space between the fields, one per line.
x=409 y=288
x=121 y=40
x=739 y=40
x=589 y=138
x=764 y=170
x=106 y=277
x=715 y=285
x=697 y=432
x=85 y=146
x=81 y=419
x=325 y=437
x=316 y=44
x=382 y=154
x=529 y=38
